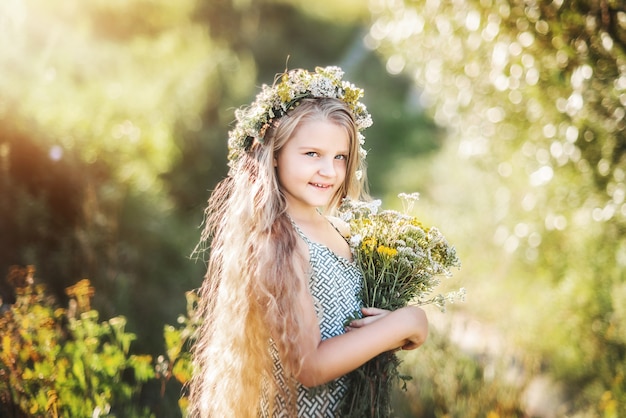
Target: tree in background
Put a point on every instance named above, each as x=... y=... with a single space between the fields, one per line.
x=533 y=96
x=91 y=96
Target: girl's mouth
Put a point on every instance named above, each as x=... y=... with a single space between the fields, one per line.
x=321 y=186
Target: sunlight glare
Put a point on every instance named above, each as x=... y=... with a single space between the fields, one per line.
x=395 y=64
x=541 y=176
x=472 y=21
x=55 y=153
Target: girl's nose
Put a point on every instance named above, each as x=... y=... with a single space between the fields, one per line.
x=327 y=168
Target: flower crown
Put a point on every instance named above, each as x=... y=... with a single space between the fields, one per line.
x=276 y=101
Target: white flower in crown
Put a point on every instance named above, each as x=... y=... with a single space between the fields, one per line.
x=292 y=86
x=322 y=88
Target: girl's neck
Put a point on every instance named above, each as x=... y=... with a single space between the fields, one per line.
x=306 y=217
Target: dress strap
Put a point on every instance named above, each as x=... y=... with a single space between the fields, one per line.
x=338 y=231
x=299 y=231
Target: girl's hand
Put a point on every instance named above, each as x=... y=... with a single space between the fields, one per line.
x=415 y=315
x=370 y=315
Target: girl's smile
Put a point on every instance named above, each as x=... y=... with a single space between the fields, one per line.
x=311 y=167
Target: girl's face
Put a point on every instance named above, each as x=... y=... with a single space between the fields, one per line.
x=311 y=166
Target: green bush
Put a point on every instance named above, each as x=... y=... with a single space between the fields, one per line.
x=177 y=361
x=67 y=363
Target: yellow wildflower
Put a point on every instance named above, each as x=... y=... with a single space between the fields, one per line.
x=368 y=245
x=387 y=251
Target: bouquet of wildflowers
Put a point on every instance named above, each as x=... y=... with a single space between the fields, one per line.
x=402 y=262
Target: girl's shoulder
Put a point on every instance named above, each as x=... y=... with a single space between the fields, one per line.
x=340 y=225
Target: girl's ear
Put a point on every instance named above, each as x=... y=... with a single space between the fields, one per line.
x=275 y=162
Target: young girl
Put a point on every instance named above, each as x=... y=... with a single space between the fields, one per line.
x=281 y=283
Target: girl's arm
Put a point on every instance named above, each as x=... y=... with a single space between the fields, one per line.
x=383 y=331
x=373 y=314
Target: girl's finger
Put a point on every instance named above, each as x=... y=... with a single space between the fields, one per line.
x=369 y=311
x=357 y=323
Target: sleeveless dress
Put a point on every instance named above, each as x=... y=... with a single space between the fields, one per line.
x=334 y=283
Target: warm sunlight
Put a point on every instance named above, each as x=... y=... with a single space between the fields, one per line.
x=95 y=80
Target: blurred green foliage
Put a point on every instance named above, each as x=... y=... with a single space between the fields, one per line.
x=65 y=362
x=57 y=362
x=452 y=383
x=532 y=96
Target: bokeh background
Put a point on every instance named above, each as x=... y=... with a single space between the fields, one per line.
x=507 y=116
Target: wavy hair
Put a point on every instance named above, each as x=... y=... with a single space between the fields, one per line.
x=248 y=299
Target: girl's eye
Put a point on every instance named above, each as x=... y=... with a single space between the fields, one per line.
x=311 y=154
x=341 y=157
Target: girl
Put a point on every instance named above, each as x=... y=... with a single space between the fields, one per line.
x=281 y=283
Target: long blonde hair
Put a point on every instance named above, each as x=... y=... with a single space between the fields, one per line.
x=249 y=294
